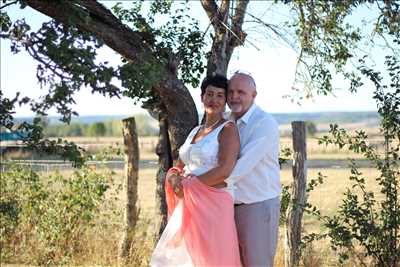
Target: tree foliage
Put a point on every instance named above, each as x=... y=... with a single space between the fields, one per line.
x=157 y=60
x=155 y=56
x=67 y=57
x=366 y=220
x=331 y=41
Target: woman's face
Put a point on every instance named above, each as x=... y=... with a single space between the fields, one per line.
x=214 y=100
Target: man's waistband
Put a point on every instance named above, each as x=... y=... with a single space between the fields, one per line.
x=255 y=203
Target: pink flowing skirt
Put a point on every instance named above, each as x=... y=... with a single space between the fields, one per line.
x=201 y=229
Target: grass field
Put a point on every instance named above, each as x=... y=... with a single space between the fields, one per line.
x=147 y=146
x=103 y=248
x=326 y=197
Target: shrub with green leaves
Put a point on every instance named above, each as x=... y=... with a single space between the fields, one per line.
x=47 y=214
x=364 y=221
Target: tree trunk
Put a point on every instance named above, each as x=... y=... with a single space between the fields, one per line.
x=178 y=108
x=219 y=59
x=228 y=33
x=131 y=150
x=163 y=151
x=295 y=210
x=177 y=116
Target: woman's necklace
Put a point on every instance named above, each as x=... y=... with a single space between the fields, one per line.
x=211 y=126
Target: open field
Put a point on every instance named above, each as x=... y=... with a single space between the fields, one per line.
x=327 y=197
x=103 y=248
x=147 y=147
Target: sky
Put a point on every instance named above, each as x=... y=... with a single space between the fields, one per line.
x=272 y=65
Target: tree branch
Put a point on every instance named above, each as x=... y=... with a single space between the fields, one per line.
x=238 y=18
x=211 y=9
x=237 y=22
x=223 y=10
x=102 y=23
x=5 y=36
x=33 y=53
x=95 y=19
x=9 y=4
x=98 y=11
x=237 y=36
x=274 y=29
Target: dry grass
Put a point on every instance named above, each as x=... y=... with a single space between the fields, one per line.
x=326 y=197
x=147 y=146
x=317 y=151
x=103 y=242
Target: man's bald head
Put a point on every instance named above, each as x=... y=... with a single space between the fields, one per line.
x=244 y=79
x=241 y=93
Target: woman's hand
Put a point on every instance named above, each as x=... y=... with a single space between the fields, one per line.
x=177 y=186
x=176 y=183
x=171 y=177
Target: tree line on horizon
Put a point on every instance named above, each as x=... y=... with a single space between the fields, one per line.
x=97 y=126
x=144 y=127
x=114 y=128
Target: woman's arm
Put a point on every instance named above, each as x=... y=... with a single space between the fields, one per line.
x=229 y=146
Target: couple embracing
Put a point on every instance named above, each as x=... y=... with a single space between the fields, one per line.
x=223 y=193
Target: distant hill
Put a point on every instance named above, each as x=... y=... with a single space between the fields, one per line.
x=328 y=117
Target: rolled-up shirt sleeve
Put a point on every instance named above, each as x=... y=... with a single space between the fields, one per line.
x=263 y=142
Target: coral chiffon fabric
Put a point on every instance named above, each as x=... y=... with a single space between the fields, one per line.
x=207 y=231
x=201 y=228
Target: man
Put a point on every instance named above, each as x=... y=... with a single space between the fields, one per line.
x=256 y=174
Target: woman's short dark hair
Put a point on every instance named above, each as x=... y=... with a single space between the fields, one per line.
x=217 y=80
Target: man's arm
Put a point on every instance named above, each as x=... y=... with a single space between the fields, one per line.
x=263 y=141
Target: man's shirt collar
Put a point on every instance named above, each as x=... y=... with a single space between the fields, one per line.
x=245 y=118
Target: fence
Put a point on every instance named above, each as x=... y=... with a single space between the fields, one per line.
x=60 y=165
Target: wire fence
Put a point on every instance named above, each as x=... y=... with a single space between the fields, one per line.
x=57 y=165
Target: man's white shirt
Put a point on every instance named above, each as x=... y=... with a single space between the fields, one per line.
x=256 y=175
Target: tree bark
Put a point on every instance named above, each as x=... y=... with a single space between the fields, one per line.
x=228 y=33
x=165 y=162
x=295 y=210
x=178 y=108
x=131 y=150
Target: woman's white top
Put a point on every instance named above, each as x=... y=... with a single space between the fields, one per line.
x=202 y=156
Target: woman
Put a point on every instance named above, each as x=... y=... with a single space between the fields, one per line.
x=201 y=229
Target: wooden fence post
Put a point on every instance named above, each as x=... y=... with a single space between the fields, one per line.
x=295 y=212
x=131 y=150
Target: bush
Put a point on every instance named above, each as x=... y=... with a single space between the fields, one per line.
x=43 y=217
x=97 y=129
x=311 y=128
x=363 y=221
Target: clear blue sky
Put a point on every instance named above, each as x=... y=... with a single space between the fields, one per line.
x=272 y=66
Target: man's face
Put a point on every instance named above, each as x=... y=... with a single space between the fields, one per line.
x=241 y=94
